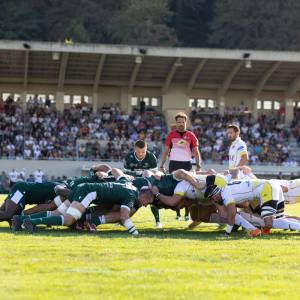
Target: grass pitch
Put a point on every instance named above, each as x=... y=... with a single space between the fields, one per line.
x=168 y=263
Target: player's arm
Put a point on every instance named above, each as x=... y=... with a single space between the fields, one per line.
x=197 y=157
x=170 y=200
x=164 y=158
x=117 y=173
x=284 y=188
x=184 y=175
x=243 y=161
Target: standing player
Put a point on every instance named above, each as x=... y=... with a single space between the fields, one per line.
x=143 y=159
x=180 y=144
x=238 y=155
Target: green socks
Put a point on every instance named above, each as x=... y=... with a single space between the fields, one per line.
x=98 y=221
x=155 y=212
x=53 y=220
x=41 y=214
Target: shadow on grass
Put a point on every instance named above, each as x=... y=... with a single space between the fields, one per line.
x=164 y=233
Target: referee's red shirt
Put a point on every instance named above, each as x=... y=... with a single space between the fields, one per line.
x=181 y=145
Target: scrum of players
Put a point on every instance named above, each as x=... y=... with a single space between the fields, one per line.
x=111 y=195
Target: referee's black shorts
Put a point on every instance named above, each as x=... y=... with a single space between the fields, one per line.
x=176 y=165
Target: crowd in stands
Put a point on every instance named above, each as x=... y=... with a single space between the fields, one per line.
x=49 y=134
x=267 y=138
x=44 y=133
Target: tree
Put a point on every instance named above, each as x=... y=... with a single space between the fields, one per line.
x=19 y=22
x=143 y=22
x=191 y=21
x=256 y=24
x=77 y=33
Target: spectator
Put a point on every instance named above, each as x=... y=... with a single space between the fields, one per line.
x=38 y=175
x=294 y=163
x=44 y=178
x=280 y=177
x=13 y=175
x=31 y=178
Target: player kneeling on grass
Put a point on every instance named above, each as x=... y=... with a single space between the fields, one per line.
x=23 y=193
x=269 y=195
x=122 y=193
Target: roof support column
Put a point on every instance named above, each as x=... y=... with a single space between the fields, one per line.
x=168 y=80
x=96 y=82
x=289 y=99
x=195 y=75
x=260 y=84
x=225 y=85
x=61 y=82
x=24 y=93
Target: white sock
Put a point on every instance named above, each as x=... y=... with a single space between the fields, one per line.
x=62 y=220
x=242 y=222
x=292 y=220
x=102 y=220
x=215 y=218
x=48 y=213
x=285 y=224
x=253 y=220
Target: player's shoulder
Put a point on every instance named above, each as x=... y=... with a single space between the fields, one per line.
x=129 y=155
x=240 y=142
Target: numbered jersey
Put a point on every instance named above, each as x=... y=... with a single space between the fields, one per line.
x=189 y=191
x=242 y=191
x=293 y=195
x=237 y=149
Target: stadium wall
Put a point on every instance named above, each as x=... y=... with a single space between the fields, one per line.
x=74 y=168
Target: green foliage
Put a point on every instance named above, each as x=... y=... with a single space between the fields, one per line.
x=191 y=21
x=77 y=33
x=143 y=22
x=256 y=24
x=167 y=263
x=19 y=22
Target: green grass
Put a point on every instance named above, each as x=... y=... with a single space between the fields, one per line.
x=168 y=263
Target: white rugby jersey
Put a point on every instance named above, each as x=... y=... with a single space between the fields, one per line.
x=238 y=191
x=186 y=189
x=237 y=149
x=293 y=195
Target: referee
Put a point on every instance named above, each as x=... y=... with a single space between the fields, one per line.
x=179 y=144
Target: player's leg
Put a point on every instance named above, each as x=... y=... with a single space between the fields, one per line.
x=156 y=215
x=11 y=209
x=111 y=217
x=81 y=198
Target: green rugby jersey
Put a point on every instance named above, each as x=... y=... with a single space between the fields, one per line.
x=72 y=182
x=131 y=162
x=23 y=192
x=122 y=192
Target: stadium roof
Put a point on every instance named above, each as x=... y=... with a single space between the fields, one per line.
x=95 y=64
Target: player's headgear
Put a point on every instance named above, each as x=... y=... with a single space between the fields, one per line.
x=212 y=191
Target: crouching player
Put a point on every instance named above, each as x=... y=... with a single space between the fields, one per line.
x=268 y=194
x=122 y=193
x=23 y=193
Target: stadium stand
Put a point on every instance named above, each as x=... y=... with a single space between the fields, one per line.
x=42 y=133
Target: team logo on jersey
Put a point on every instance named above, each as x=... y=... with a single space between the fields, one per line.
x=233 y=147
x=240 y=148
x=130 y=204
x=181 y=142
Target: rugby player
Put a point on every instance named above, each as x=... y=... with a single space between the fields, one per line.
x=268 y=193
x=123 y=193
x=139 y=159
x=23 y=193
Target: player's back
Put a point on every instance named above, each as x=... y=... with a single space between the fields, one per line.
x=243 y=191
